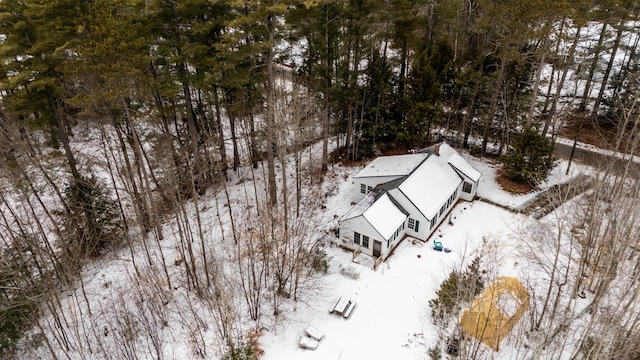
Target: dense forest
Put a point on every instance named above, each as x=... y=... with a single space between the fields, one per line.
x=117 y=115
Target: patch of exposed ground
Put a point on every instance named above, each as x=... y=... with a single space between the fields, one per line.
x=511 y=186
x=597 y=133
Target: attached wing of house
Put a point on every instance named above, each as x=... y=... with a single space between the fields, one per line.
x=372 y=222
x=382 y=170
x=394 y=165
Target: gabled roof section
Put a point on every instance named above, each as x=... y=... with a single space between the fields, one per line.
x=461 y=165
x=385 y=216
x=380 y=209
x=431 y=184
x=394 y=165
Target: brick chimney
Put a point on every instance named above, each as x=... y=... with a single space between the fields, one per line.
x=436 y=149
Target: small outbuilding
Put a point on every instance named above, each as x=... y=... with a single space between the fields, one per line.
x=495 y=312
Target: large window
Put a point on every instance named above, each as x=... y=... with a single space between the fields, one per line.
x=433 y=222
x=412 y=224
x=356 y=238
x=365 y=241
x=466 y=187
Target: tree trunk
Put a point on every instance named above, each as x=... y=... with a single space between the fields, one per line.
x=624 y=71
x=220 y=130
x=327 y=112
x=556 y=97
x=234 y=138
x=270 y=120
x=493 y=107
x=61 y=127
x=538 y=75
x=592 y=69
x=607 y=72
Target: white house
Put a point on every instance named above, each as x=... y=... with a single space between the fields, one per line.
x=405 y=195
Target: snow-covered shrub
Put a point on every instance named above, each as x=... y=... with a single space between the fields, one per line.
x=350 y=272
x=319 y=261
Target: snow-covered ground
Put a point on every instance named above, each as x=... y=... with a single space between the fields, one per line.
x=392 y=318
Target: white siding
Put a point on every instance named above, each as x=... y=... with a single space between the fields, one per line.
x=361 y=225
x=423 y=229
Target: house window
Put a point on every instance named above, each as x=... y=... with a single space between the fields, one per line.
x=365 y=241
x=412 y=223
x=369 y=188
x=466 y=187
x=388 y=242
x=433 y=222
x=363 y=188
x=356 y=238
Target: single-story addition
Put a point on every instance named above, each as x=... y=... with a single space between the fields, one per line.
x=405 y=195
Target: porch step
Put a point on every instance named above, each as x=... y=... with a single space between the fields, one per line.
x=364 y=260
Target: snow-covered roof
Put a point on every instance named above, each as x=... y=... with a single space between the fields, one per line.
x=431 y=184
x=428 y=185
x=385 y=216
x=394 y=165
x=362 y=206
x=380 y=211
x=464 y=167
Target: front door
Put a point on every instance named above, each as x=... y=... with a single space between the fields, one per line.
x=377 y=245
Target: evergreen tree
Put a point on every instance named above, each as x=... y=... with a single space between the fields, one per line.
x=92 y=222
x=529 y=157
x=456 y=291
x=379 y=120
x=423 y=96
x=39 y=37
